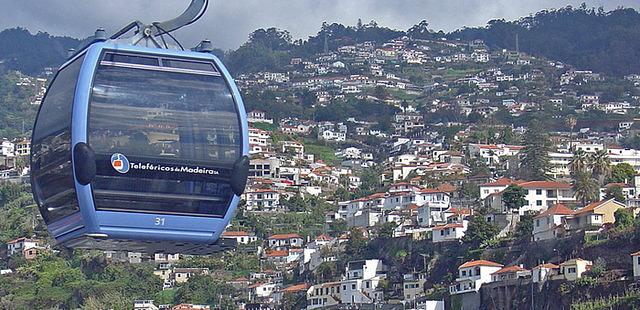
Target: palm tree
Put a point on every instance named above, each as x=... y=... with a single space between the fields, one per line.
x=600 y=165
x=571 y=122
x=579 y=161
x=586 y=188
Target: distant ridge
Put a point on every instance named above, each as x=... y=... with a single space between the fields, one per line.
x=31 y=53
x=587 y=38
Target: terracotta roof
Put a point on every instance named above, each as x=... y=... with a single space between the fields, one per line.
x=499 y=182
x=480 y=262
x=457 y=211
x=241 y=279
x=575 y=260
x=262 y=191
x=544 y=184
x=455 y=225
x=296 y=288
x=556 y=209
x=21 y=239
x=548 y=265
x=256 y=284
x=277 y=253
x=432 y=191
x=590 y=207
x=235 y=234
x=329 y=284
x=284 y=236
x=528 y=184
x=623 y=185
x=324 y=237
x=636 y=254
x=510 y=269
x=446 y=187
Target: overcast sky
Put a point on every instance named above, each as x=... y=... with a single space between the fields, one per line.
x=228 y=23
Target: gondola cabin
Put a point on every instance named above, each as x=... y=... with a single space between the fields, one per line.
x=140 y=149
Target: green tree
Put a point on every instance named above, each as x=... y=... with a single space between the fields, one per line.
x=469 y=190
x=513 y=197
x=357 y=243
x=615 y=192
x=585 y=187
x=387 y=229
x=524 y=228
x=624 y=218
x=205 y=290
x=326 y=271
x=600 y=165
x=622 y=173
x=295 y=203
x=535 y=162
x=579 y=161
x=479 y=231
x=507 y=136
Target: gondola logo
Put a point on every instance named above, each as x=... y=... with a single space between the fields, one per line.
x=120 y=163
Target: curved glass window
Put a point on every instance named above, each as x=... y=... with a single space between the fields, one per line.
x=51 y=166
x=177 y=128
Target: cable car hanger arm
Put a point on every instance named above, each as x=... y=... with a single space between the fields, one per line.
x=194 y=11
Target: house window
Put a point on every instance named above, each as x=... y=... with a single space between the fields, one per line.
x=538 y=202
x=538 y=192
x=537 y=223
x=368 y=284
x=638 y=260
x=571 y=270
x=464 y=273
x=353 y=286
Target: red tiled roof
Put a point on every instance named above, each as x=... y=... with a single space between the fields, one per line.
x=277 y=253
x=480 y=262
x=636 y=254
x=284 y=236
x=623 y=185
x=235 y=234
x=548 y=265
x=446 y=187
x=296 y=288
x=510 y=269
x=431 y=191
x=256 y=284
x=324 y=237
x=557 y=209
x=499 y=182
x=590 y=207
x=544 y=184
x=455 y=225
x=528 y=184
x=457 y=211
x=262 y=191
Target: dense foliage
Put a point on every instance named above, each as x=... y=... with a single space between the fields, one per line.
x=29 y=53
x=578 y=36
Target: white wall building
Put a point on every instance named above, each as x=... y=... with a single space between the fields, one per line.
x=472 y=274
x=546 y=223
x=449 y=232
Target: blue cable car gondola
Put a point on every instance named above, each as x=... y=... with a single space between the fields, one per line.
x=141 y=148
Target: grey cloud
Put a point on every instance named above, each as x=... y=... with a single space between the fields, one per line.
x=228 y=23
